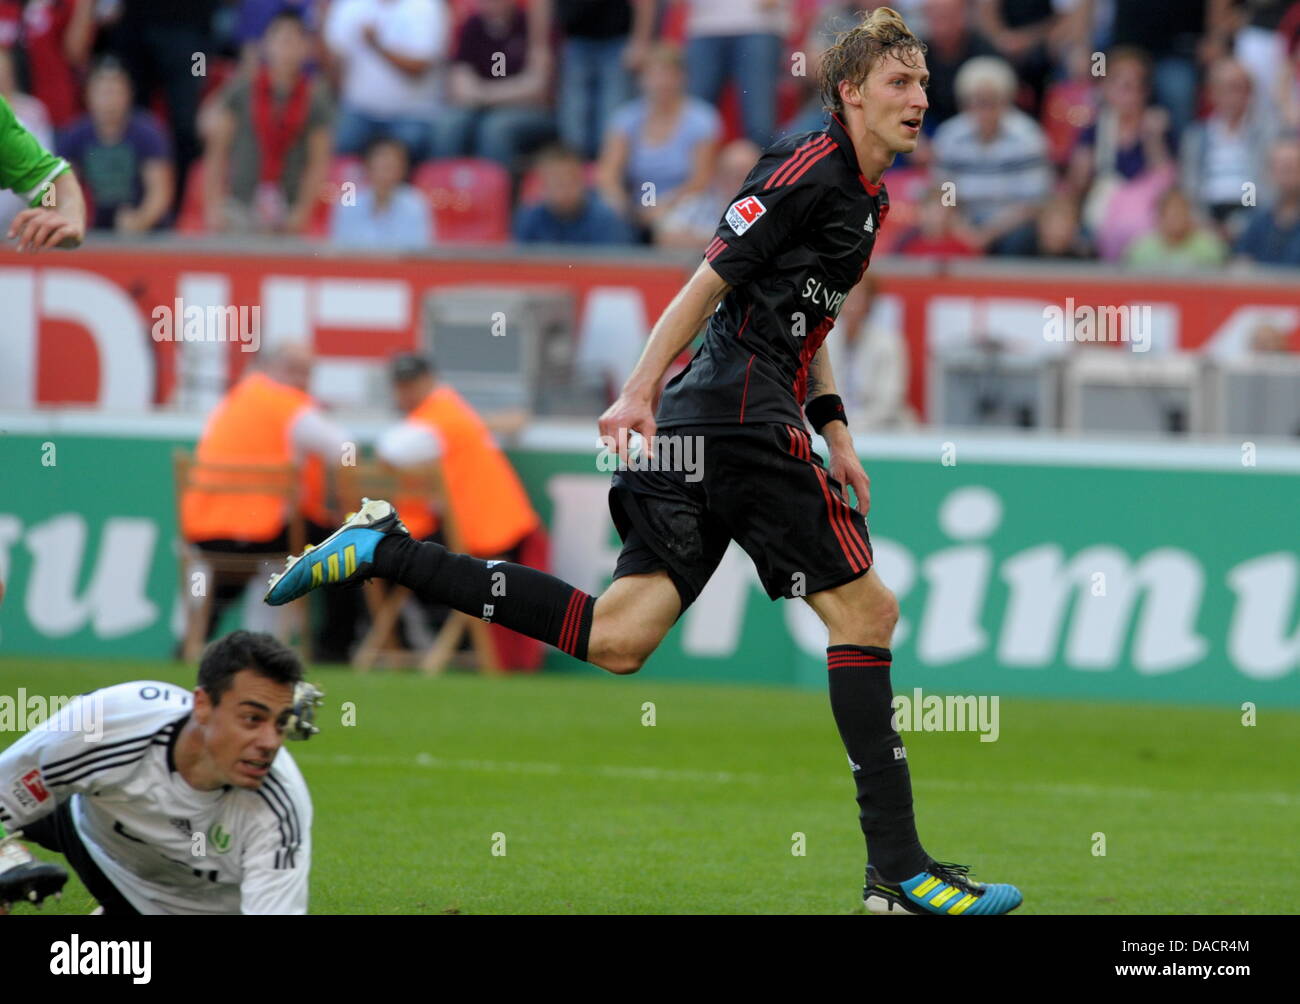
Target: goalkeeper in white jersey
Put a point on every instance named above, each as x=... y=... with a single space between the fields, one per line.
x=170 y=801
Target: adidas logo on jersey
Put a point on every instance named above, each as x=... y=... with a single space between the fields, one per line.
x=870 y=225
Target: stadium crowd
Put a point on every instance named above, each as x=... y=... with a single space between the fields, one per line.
x=1162 y=133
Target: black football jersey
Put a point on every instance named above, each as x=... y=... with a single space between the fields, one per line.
x=795 y=240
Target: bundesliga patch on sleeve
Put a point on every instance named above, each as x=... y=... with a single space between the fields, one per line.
x=745 y=213
x=29 y=790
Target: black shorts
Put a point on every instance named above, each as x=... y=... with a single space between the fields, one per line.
x=759 y=485
x=56 y=831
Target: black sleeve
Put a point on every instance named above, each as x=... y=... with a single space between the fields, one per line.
x=773 y=209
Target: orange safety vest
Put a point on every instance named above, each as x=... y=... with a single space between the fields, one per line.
x=488 y=502
x=251 y=426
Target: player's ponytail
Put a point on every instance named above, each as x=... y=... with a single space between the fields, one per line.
x=879 y=32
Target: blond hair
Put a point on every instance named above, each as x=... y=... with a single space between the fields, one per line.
x=855 y=52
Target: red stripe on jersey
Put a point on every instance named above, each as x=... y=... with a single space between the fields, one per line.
x=715 y=249
x=744 y=324
x=803 y=168
x=786 y=169
x=795 y=159
x=745 y=394
x=811 y=343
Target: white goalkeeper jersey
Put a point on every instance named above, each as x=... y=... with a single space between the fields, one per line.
x=168 y=848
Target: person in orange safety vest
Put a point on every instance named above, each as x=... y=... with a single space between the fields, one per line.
x=488 y=502
x=268 y=417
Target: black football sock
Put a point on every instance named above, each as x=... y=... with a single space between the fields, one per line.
x=862 y=702
x=515 y=596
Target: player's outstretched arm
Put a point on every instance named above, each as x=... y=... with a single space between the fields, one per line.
x=60 y=225
x=689 y=311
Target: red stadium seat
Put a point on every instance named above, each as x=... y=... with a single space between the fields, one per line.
x=470 y=199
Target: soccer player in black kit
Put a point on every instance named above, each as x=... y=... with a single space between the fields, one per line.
x=796 y=239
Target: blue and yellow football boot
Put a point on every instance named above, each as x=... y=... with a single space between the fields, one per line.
x=943 y=889
x=346 y=555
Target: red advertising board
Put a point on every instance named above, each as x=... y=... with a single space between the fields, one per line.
x=83 y=328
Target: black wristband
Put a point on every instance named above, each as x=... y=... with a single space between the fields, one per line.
x=825 y=409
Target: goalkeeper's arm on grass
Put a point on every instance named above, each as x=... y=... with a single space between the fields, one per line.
x=56 y=213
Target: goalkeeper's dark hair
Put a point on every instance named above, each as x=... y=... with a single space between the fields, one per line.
x=264 y=654
x=881 y=32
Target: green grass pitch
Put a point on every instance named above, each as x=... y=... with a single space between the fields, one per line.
x=699 y=813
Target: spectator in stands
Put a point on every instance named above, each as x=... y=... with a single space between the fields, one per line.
x=269 y=418
x=738 y=42
x=1225 y=156
x=1070 y=104
x=28 y=109
x=819 y=37
x=254 y=16
x=605 y=42
x=1273 y=234
x=1170 y=34
x=388 y=56
x=1029 y=34
x=1259 y=36
x=570 y=211
x=870 y=362
x=692 y=222
x=660 y=148
x=1123 y=161
x=1058 y=232
x=951 y=40
x=500 y=83
x=269 y=147
x=1178 y=243
x=940 y=231
x=1283 y=84
x=161 y=43
x=32 y=114
x=121 y=155
x=386 y=212
x=995 y=155
x=56 y=37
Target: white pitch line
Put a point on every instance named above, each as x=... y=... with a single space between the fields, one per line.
x=536 y=767
x=429 y=761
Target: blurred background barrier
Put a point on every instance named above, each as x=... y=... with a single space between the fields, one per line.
x=1032 y=565
x=172 y=323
